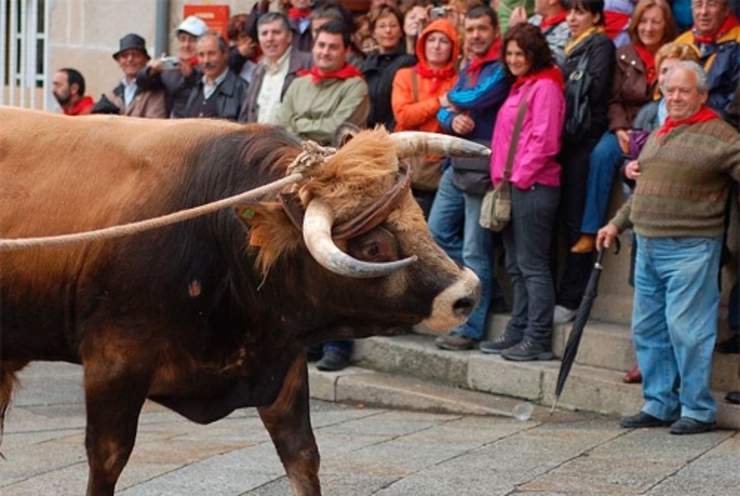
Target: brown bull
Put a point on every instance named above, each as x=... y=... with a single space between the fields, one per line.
x=212 y=314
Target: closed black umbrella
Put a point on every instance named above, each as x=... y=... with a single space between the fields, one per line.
x=579 y=323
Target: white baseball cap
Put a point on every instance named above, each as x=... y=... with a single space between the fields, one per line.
x=193 y=25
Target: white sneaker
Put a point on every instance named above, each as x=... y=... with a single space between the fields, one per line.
x=563 y=315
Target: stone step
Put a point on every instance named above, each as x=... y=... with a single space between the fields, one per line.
x=588 y=388
x=609 y=346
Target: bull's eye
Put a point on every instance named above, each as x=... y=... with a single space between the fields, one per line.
x=379 y=245
x=372 y=250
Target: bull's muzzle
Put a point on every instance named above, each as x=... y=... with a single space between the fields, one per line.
x=452 y=307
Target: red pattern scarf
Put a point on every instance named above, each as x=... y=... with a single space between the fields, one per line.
x=729 y=23
x=648 y=59
x=294 y=13
x=345 y=72
x=436 y=75
x=551 y=21
x=476 y=63
x=703 y=115
x=553 y=73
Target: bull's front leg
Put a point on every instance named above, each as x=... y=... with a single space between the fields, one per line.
x=114 y=396
x=288 y=421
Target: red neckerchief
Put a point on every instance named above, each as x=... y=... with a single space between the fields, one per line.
x=294 y=13
x=729 y=23
x=83 y=107
x=648 y=59
x=615 y=22
x=476 y=63
x=703 y=115
x=345 y=72
x=553 y=73
x=192 y=61
x=551 y=21
x=436 y=75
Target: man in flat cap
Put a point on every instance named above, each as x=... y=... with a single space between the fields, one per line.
x=127 y=97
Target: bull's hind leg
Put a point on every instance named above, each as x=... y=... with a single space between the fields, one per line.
x=288 y=421
x=114 y=396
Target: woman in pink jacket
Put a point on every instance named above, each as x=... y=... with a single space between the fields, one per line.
x=535 y=190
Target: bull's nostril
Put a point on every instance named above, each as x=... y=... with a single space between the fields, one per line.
x=464 y=306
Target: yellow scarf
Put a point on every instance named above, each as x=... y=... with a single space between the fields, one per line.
x=575 y=41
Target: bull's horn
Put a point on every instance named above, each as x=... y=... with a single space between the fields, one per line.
x=414 y=143
x=317 y=225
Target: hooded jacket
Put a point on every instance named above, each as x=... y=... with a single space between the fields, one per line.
x=721 y=62
x=420 y=113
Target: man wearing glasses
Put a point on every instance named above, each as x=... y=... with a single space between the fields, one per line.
x=716 y=38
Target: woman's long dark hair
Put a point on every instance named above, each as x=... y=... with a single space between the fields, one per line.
x=534 y=45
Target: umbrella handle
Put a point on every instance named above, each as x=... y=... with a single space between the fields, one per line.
x=600 y=254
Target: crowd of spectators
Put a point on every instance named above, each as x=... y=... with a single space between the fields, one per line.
x=587 y=76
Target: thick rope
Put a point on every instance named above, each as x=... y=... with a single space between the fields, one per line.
x=305 y=164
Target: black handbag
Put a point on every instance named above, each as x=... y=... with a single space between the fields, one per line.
x=577 y=103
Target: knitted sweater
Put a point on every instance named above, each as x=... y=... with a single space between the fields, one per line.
x=685 y=179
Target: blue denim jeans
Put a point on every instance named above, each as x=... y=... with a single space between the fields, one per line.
x=453 y=222
x=605 y=161
x=527 y=243
x=674 y=324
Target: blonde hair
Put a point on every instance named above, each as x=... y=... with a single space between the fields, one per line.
x=675 y=50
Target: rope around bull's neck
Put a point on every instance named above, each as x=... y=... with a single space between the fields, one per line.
x=310 y=159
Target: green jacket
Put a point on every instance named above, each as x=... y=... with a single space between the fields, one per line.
x=315 y=110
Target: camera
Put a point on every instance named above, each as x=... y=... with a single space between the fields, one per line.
x=437 y=13
x=170 y=63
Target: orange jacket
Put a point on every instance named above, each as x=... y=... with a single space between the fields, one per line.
x=421 y=115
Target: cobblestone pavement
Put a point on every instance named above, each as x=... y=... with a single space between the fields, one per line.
x=365 y=451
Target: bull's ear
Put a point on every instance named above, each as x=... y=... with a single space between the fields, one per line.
x=344 y=134
x=270 y=232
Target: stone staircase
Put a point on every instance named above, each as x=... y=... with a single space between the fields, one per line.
x=594 y=384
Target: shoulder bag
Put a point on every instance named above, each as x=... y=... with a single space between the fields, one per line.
x=426 y=171
x=495 y=212
x=577 y=103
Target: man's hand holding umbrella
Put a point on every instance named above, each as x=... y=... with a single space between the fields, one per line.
x=606 y=236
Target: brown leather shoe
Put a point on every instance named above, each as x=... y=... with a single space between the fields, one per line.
x=634 y=376
x=585 y=244
x=455 y=342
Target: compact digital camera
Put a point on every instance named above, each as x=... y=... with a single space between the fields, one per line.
x=170 y=63
x=438 y=13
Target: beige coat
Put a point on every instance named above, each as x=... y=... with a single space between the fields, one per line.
x=151 y=103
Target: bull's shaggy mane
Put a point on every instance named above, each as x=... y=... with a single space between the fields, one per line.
x=357 y=175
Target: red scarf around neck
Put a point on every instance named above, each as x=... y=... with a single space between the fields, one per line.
x=345 y=72
x=615 y=22
x=83 y=106
x=436 y=75
x=703 y=115
x=551 y=21
x=294 y=13
x=729 y=23
x=476 y=63
x=553 y=73
x=648 y=59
